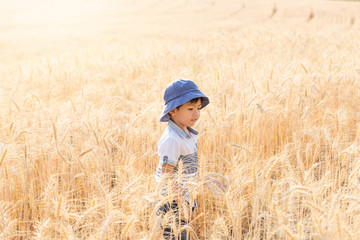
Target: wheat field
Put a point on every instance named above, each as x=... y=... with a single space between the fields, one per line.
x=81 y=95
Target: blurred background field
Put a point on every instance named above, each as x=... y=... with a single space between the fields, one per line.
x=81 y=86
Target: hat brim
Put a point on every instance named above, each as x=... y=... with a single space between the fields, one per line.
x=165 y=117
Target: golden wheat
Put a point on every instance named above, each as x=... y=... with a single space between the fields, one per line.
x=79 y=120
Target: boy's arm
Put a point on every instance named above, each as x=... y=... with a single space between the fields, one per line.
x=168 y=177
x=167 y=173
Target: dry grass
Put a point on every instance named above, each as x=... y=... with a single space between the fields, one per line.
x=80 y=105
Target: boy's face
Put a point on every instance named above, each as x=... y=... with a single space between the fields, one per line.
x=187 y=114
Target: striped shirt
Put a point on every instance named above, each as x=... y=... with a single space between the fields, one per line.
x=179 y=148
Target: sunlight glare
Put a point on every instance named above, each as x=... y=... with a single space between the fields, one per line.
x=51 y=12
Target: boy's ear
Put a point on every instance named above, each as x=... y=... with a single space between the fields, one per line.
x=172 y=112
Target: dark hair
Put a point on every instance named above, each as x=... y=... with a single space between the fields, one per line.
x=193 y=101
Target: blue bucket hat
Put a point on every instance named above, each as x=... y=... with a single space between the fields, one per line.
x=178 y=93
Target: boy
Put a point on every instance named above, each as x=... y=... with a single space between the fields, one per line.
x=178 y=152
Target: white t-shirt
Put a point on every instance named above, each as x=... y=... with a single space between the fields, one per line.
x=179 y=148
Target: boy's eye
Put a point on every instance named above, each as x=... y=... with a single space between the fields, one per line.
x=190 y=109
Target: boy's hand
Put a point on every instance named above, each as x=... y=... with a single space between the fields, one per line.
x=216 y=182
x=185 y=211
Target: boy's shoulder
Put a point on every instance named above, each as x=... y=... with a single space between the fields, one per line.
x=169 y=135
